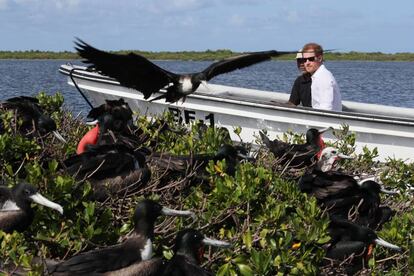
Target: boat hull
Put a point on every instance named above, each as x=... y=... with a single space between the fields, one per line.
x=391 y=129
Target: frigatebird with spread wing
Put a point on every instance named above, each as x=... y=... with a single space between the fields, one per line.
x=137 y=72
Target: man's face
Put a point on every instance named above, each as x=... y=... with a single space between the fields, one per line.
x=301 y=64
x=312 y=62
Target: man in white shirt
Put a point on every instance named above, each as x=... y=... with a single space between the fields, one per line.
x=324 y=89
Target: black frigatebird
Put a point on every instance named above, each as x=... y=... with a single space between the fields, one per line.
x=113 y=115
x=111 y=169
x=15 y=211
x=137 y=247
x=297 y=155
x=137 y=72
x=181 y=164
x=360 y=203
x=32 y=116
x=348 y=238
x=188 y=253
x=342 y=194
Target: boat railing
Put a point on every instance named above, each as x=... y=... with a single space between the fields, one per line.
x=279 y=99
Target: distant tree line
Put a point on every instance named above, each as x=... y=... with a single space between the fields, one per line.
x=205 y=55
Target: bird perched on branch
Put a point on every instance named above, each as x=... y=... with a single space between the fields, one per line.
x=342 y=195
x=348 y=238
x=113 y=115
x=111 y=169
x=188 y=253
x=114 y=259
x=352 y=245
x=181 y=165
x=33 y=119
x=15 y=210
x=137 y=72
x=297 y=155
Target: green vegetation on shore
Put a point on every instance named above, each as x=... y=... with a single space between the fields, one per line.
x=206 y=55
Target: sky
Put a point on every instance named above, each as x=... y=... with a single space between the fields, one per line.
x=199 y=25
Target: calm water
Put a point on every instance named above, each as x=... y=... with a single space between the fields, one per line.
x=388 y=83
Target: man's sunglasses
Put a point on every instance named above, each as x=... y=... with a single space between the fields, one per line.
x=303 y=60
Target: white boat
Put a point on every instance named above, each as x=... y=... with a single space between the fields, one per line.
x=390 y=129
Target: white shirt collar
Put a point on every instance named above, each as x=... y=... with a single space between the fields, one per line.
x=321 y=68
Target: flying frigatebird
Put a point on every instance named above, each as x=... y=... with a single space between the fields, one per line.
x=137 y=72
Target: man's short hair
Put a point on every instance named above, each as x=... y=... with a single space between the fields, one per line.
x=313 y=47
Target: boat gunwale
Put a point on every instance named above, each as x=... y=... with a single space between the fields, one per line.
x=81 y=73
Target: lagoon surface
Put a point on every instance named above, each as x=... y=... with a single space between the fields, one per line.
x=388 y=83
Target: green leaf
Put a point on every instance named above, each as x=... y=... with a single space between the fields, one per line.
x=245 y=270
x=247 y=239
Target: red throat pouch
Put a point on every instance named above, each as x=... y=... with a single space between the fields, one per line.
x=90 y=138
x=200 y=254
x=370 y=251
x=321 y=145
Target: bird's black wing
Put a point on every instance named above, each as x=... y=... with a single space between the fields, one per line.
x=130 y=70
x=21 y=99
x=343 y=249
x=99 y=260
x=178 y=266
x=5 y=194
x=277 y=147
x=26 y=106
x=169 y=162
x=237 y=62
x=101 y=166
x=333 y=185
x=152 y=267
x=12 y=220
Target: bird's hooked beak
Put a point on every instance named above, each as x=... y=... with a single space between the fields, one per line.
x=59 y=136
x=171 y=212
x=380 y=241
x=93 y=123
x=343 y=156
x=390 y=192
x=325 y=129
x=39 y=199
x=327 y=163
x=216 y=243
x=372 y=178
